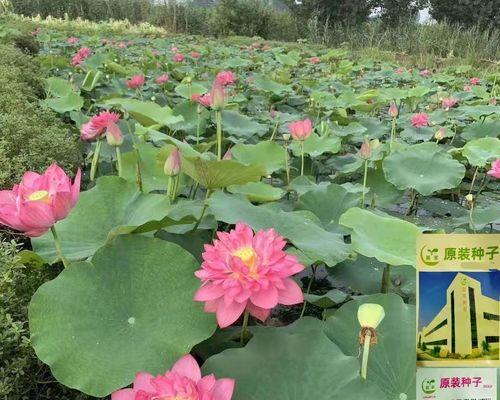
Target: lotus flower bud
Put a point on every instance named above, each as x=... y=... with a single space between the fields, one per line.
x=114 y=135
x=172 y=165
x=366 y=150
x=218 y=96
x=286 y=137
x=439 y=135
x=228 y=155
x=469 y=198
x=393 y=110
x=370 y=315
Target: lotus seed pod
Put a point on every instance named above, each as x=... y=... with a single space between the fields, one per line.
x=370 y=315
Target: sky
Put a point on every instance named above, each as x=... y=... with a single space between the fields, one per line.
x=432 y=291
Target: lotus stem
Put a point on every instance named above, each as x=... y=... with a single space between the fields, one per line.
x=471 y=220
x=393 y=133
x=274 y=131
x=198 y=123
x=386 y=279
x=218 y=114
x=364 y=184
x=244 y=326
x=287 y=166
x=95 y=160
x=119 y=166
x=138 y=175
x=59 y=247
x=308 y=290
x=302 y=151
x=473 y=180
x=203 y=211
x=366 y=352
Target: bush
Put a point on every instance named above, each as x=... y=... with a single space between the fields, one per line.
x=485 y=346
x=436 y=350
x=31 y=137
x=22 y=375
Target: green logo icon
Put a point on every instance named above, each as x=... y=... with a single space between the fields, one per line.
x=429 y=385
x=430 y=256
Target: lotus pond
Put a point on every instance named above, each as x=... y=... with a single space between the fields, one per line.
x=249 y=204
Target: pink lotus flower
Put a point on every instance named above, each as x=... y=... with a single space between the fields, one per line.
x=366 y=150
x=314 y=60
x=174 y=49
x=448 y=103
x=228 y=155
x=425 y=73
x=495 y=169
x=81 y=55
x=136 y=81
x=204 y=100
x=393 y=110
x=195 y=54
x=173 y=163
x=114 y=135
x=468 y=88
x=474 y=81
x=246 y=271
x=399 y=70
x=225 y=78
x=420 y=120
x=182 y=382
x=493 y=101
x=98 y=125
x=122 y=45
x=162 y=79
x=72 y=40
x=178 y=57
x=39 y=201
x=218 y=96
x=301 y=130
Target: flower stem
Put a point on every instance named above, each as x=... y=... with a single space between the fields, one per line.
x=218 y=114
x=366 y=352
x=473 y=180
x=274 y=131
x=198 y=122
x=393 y=133
x=95 y=160
x=287 y=167
x=364 y=184
x=138 y=175
x=471 y=220
x=244 y=326
x=203 y=211
x=311 y=280
x=119 y=162
x=302 y=149
x=386 y=279
x=58 y=246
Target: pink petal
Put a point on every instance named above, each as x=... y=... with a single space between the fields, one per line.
x=36 y=214
x=124 y=394
x=265 y=298
x=260 y=313
x=228 y=314
x=61 y=205
x=206 y=383
x=188 y=367
x=223 y=389
x=208 y=292
x=142 y=381
x=292 y=294
x=75 y=189
x=7 y=197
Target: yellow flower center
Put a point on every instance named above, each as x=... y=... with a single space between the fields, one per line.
x=40 y=195
x=249 y=257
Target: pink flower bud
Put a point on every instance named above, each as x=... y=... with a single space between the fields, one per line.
x=173 y=163
x=162 y=79
x=228 y=155
x=136 y=81
x=366 y=150
x=439 y=135
x=301 y=130
x=393 y=110
x=114 y=135
x=218 y=96
x=448 y=103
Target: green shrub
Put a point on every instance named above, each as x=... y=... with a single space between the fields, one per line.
x=436 y=350
x=31 y=137
x=22 y=375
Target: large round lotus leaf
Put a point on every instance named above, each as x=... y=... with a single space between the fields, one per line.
x=292 y=364
x=131 y=309
x=481 y=129
x=392 y=361
x=152 y=175
x=390 y=240
x=112 y=206
x=147 y=113
x=424 y=167
x=480 y=152
x=316 y=145
x=239 y=125
x=267 y=153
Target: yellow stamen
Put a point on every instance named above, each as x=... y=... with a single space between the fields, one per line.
x=40 y=195
x=249 y=258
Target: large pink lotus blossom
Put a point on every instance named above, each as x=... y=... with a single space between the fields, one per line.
x=39 y=201
x=178 y=57
x=72 y=40
x=246 y=271
x=495 y=169
x=425 y=73
x=81 y=55
x=448 y=103
x=420 y=120
x=474 y=81
x=301 y=130
x=162 y=79
x=314 y=60
x=136 y=81
x=98 y=125
x=182 y=382
x=225 y=78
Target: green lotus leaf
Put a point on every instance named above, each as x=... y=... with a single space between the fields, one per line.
x=112 y=206
x=315 y=242
x=424 y=167
x=240 y=125
x=316 y=145
x=481 y=129
x=152 y=175
x=259 y=192
x=327 y=300
x=130 y=309
x=91 y=80
x=266 y=153
x=391 y=364
x=304 y=364
x=482 y=151
x=390 y=240
x=187 y=90
x=265 y=84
